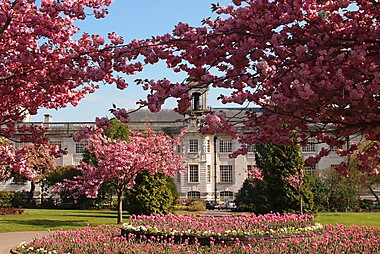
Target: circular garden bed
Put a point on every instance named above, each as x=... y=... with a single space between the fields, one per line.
x=209 y=230
x=184 y=234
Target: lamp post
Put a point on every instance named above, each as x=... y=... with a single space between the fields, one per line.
x=215 y=165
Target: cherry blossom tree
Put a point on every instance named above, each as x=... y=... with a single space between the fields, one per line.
x=48 y=62
x=39 y=160
x=120 y=161
x=312 y=66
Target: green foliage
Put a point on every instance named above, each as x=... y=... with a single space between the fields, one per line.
x=251 y=197
x=152 y=194
x=14 y=199
x=334 y=192
x=119 y=130
x=61 y=173
x=197 y=205
x=22 y=199
x=6 y=198
x=275 y=194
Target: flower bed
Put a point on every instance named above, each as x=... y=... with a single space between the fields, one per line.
x=208 y=229
x=11 y=211
x=106 y=239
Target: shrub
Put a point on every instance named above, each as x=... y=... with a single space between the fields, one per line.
x=22 y=199
x=197 y=205
x=6 y=198
x=152 y=194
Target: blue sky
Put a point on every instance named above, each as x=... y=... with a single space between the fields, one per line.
x=135 y=20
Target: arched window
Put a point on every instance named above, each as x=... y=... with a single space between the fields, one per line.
x=194 y=195
x=226 y=196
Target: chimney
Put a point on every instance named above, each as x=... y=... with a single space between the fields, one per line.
x=48 y=118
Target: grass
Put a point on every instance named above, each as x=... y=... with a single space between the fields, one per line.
x=360 y=219
x=45 y=219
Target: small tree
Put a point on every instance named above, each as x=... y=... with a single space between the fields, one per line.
x=116 y=130
x=334 y=192
x=41 y=160
x=274 y=193
x=120 y=162
x=151 y=194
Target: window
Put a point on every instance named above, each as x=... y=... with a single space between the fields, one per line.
x=194 y=195
x=79 y=147
x=225 y=146
x=56 y=143
x=193 y=145
x=178 y=148
x=225 y=173
x=310 y=147
x=249 y=167
x=226 y=196
x=310 y=170
x=208 y=174
x=208 y=146
x=193 y=173
x=251 y=148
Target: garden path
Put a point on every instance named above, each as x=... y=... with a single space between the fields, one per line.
x=10 y=240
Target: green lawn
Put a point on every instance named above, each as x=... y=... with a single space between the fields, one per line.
x=360 y=219
x=44 y=219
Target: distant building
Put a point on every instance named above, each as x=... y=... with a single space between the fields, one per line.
x=210 y=174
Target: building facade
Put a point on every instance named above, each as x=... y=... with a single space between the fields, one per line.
x=211 y=174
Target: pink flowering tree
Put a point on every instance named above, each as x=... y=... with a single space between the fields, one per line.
x=119 y=162
x=312 y=66
x=40 y=161
x=296 y=181
x=48 y=62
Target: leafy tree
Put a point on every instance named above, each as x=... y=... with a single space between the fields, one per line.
x=275 y=193
x=359 y=159
x=334 y=192
x=151 y=194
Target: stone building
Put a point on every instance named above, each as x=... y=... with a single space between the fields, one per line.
x=210 y=174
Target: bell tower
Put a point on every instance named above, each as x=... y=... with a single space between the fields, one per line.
x=199 y=103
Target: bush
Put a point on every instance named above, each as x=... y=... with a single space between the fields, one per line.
x=6 y=198
x=152 y=194
x=22 y=199
x=197 y=205
x=16 y=199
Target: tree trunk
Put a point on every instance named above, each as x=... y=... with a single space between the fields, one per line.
x=119 y=207
x=31 y=192
x=42 y=192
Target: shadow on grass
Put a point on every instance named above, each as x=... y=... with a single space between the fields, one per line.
x=114 y=215
x=49 y=223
